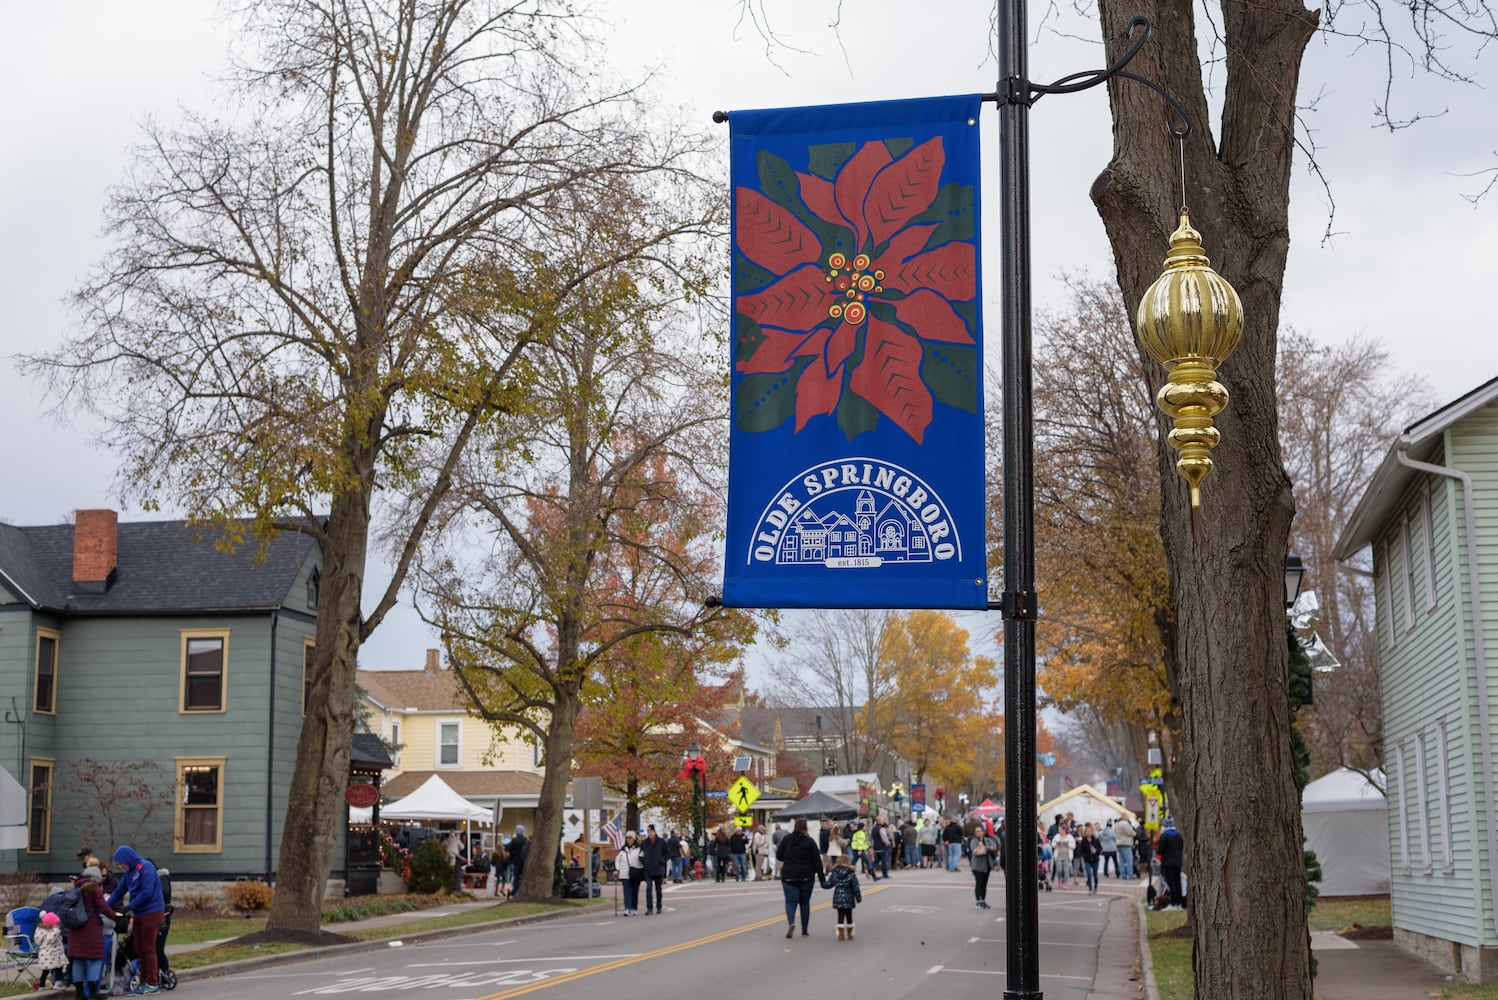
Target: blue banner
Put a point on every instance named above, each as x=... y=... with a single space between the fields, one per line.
x=856 y=450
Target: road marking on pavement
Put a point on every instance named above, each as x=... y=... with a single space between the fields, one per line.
x=528 y=958
x=1001 y=972
x=576 y=974
x=933 y=970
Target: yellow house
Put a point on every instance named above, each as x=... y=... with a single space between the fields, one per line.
x=425 y=713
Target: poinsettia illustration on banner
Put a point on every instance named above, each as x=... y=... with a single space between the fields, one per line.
x=867 y=288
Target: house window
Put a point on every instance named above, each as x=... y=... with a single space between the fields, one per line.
x=314 y=586
x=447 y=744
x=1422 y=804
x=1430 y=546
x=46 y=672
x=1443 y=797
x=1403 y=811
x=39 y=817
x=395 y=741
x=307 y=647
x=200 y=805
x=205 y=662
x=1409 y=571
x=1388 y=580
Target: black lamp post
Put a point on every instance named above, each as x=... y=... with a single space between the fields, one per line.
x=698 y=764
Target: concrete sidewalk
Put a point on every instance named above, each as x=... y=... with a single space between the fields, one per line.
x=1345 y=970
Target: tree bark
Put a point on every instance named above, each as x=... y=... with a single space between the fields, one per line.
x=1240 y=810
x=540 y=858
x=309 y=838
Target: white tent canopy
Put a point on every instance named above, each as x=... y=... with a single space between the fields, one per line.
x=1346 y=823
x=434 y=800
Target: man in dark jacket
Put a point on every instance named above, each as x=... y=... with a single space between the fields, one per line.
x=654 y=851
x=951 y=838
x=516 y=849
x=800 y=871
x=143 y=886
x=1172 y=857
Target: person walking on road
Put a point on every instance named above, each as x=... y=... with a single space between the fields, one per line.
x=656 y=856
x=800 y=871
x=1088 y=851
x=1123 y=832
x=861 y=851
x=1109 y=843
x=930 y=835
x=1062 y=846
x=951 y=839
x=846 y=894
x=516 y=849
x=722 y=856
x=738 y=847
x=633 y=869
x=779 y=834
x=983 y=848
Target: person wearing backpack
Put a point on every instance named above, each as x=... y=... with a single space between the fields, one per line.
x=143 y=886
x=86 y=941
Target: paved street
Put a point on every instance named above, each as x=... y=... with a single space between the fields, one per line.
x=917 y=932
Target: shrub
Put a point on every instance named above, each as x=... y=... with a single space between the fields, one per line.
x=250 y=896
x=196 y=902
x=19 y=889
x=431 y=868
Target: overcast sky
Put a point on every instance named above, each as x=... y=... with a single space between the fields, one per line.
x=1409 y=265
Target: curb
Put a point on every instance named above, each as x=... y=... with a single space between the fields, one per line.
x=373 y=944
x=1146 y=962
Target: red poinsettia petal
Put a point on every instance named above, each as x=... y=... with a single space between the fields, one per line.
x=906 y=243
x=889 y=377
x=770 y=235
x=932 y=317
x=904 y=189
x=815 y=344
x=839 y=345
x=950 y=270
x=797 y=301
x=816 y=393
x=852 y=185
x=819 y=196
x=775 y=352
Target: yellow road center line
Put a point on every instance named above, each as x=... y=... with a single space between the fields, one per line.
x=620 y=963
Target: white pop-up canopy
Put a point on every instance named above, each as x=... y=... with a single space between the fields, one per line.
x=434 y=800
x=1346 y=823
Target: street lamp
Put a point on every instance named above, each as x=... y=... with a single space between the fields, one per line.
x=697 y=764
x=1295 y=574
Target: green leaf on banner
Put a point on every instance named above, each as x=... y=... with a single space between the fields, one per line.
x=951 y=372
x=763 y=402
x=827 y=159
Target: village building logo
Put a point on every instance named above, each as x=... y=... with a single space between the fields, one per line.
x=855 y=513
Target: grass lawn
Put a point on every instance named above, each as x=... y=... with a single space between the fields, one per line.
x=1340 y=913
x=1171 y=955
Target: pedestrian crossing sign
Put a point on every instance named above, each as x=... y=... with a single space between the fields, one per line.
x=743 y=794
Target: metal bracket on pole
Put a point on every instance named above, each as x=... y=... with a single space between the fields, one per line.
x=1020 y=605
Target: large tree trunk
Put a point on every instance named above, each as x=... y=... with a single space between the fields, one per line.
x=1238 y=807
x=309 y=838
x=540 y=857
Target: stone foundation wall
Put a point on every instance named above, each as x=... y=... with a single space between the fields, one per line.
x=1468 y=963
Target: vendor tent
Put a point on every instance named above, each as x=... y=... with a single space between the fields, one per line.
x=434 y=800
x=988 y=809
x=1346 y=823
x=818 y=805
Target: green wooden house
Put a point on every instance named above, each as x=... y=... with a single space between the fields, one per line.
x=1430 y=517
x=152 y=688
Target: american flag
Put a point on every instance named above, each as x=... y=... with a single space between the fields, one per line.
x=611 y=830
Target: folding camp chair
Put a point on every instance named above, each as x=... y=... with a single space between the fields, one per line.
x=20 y=946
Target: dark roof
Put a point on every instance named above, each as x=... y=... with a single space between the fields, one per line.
x=162 y=567
x=370 y=751
x=797 y=722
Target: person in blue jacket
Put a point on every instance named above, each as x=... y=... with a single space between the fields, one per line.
x=141 y=883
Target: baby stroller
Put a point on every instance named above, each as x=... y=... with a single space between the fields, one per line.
x=127 y=962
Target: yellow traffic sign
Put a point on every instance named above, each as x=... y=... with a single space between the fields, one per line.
x=743 y=794
x=743 y=821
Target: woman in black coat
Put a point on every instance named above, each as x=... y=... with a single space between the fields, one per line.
x=800 y=871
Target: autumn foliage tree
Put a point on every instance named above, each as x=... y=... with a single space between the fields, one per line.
x=940 y=702
x=115 y=802
x=600 y=532
x=304 y=314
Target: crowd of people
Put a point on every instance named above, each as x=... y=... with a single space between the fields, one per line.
x=133 y=893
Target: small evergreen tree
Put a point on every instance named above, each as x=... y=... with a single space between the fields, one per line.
x=431 y=868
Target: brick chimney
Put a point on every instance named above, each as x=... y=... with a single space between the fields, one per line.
x=434 y=661
x=95 y=550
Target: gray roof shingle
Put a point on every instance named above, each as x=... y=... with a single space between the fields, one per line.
x=162 y=567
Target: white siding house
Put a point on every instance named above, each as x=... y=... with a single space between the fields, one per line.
x=1430 y=518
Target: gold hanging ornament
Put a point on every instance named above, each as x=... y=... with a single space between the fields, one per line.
x=1190 y=320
